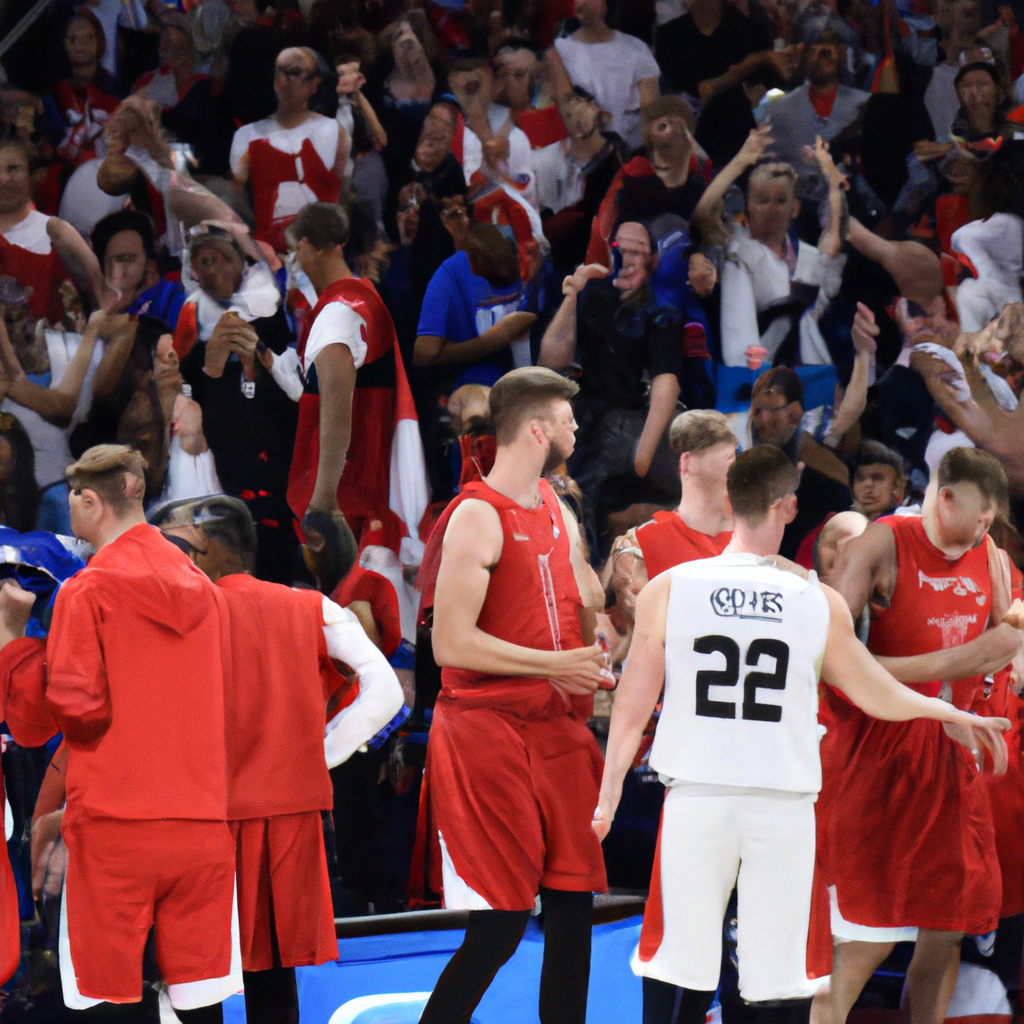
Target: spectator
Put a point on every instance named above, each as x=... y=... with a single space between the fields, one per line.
x=775 y=287
x=821 y=106
x=248 y=419
x=879 y=480
x=940 y=98
x=573 y=176
x=663 y=181
x=406 y=83
x=124 y=245
x=624 y=342
x=471 y=330
x=776 y=409
x=40 y=252
x=521 y=83
x=616 y=69
x=264 y=154
x=78 y=107
x=19 y=492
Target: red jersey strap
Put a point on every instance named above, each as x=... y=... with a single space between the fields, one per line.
x=426 y=579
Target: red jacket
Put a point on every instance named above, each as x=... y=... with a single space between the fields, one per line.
x=276 y=692
x=136 y=685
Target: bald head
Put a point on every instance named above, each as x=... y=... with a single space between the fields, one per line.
x=837 y=532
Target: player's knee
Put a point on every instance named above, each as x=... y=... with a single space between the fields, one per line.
x=496 y=932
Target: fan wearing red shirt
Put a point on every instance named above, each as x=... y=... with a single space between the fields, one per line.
x=930 y=587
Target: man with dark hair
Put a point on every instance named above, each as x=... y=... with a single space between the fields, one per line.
x=934 y=583
x=518 y=683
x=744 y=764
x=879 y=480
x=276 y=693
x=355 y=381
x=124 y=244
x=133 y=679
x=776 y=409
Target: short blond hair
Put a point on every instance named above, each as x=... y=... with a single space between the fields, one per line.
x=105 y=469
x=697 y=430
x=772 y=171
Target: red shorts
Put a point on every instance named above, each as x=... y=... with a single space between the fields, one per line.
x=937 y=866
x=513 y=798
x=284 y=892
x=125 y=877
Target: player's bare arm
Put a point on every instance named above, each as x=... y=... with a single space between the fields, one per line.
x=472 y=547
x=336 y=375
x=866 y=568
x=850 y=667
x=637 y=694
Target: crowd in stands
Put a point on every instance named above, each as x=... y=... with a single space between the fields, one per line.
x=805 y=214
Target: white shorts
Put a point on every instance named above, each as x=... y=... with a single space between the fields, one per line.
x=712 y=838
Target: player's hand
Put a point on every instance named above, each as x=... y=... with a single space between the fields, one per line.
x=575 y=283
x=604 y=813
x=975 y=733
x=585 y=673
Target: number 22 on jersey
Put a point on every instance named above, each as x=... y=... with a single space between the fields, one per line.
x=756 y=679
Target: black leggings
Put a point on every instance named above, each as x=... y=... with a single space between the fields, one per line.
x=492 y=937
x=271 y=996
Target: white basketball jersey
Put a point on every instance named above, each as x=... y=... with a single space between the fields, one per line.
x=744 y=642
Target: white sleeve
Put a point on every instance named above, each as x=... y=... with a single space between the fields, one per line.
x=380 y=694
x=336 y=324
x=739 y=313
x=285 y=370
x=239 y=147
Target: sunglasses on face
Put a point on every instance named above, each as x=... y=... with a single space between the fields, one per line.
x=294 y=73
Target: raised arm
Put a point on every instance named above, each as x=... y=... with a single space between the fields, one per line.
x=57 y=403
x=855 y=400
x=472 y=547
x=849 y=667
x=752 y=150
x=642 y=680
x=115 y=358
x=78 y=258
x=830 y=241
x=558 y=346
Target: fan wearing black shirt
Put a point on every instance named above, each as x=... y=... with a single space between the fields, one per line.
x=635 y=365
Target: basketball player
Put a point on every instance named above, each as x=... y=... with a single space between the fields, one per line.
x=134 y=681
x=512 y=763
x=278 y=681
x=700 y=527
x=932 y=592
x=742 y=761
